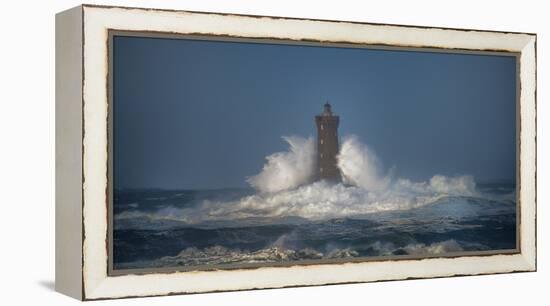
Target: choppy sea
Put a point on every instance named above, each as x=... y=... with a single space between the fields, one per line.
x=175 y=228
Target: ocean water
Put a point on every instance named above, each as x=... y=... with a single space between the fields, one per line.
x=321 y=220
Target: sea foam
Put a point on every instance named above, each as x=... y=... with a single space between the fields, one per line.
x=286 y=170
x=287 y=188
x=360 y=166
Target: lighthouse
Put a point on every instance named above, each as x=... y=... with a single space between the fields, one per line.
x=327 y=145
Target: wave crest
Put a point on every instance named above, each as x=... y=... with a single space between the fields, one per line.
x=286 y=170
x=318 y=201
x=287 y=190
x=217 y=254
x=360 y=166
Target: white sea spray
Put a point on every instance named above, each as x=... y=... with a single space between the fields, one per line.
x=286 y=170
x=360 y=166
x=287 y=188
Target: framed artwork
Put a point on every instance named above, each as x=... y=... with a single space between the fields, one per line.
x=200 y=152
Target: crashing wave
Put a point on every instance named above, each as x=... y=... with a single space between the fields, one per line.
x=216 y=255
x=317 y=201
x=360 y=166
x=422 y=249
x=286 y=170
x=219 y=255
x=435 y=248
x=286 y=190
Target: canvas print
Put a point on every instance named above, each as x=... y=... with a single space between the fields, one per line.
x=229 y=153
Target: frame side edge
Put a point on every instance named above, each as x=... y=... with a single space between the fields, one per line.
x=68 y=152
x=528 y=155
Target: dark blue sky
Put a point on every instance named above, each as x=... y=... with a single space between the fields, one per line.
x=202 y=114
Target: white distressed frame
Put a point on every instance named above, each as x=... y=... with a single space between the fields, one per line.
x=96 y=23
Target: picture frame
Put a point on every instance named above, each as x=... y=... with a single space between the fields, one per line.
x=84 y=153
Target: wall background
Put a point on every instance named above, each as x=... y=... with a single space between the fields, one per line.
x=27 y=159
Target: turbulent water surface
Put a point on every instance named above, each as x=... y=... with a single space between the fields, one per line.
x=286 y=216
x=155 y=228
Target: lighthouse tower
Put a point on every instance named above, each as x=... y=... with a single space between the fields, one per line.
x=327 y=145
